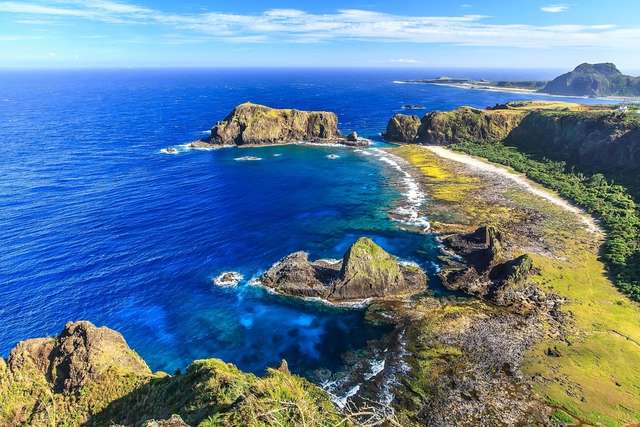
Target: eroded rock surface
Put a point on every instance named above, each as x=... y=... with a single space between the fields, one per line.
x=366 y=271
x=253 y=124
x=81 y=353
x=402 y=128
x=486 y=272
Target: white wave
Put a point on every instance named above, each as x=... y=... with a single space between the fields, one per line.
x=409 y=212
x=277 y=155
x=341 y=401
x=169 y=150
x=247 y=159
x=332 y=156
x=377 y=366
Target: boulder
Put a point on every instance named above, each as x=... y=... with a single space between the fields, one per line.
x=402 y=128
x=366 y=271
x=253 y=124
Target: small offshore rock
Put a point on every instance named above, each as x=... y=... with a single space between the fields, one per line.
x=228 y=278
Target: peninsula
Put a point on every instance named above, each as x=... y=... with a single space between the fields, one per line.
x=586 y=80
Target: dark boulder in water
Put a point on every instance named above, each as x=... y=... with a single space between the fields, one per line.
x=366 y=271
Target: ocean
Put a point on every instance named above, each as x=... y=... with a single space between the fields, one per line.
x=97 y=223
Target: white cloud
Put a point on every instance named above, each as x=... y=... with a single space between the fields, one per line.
x=405 y=61
x=298 y=26
x=555 y=8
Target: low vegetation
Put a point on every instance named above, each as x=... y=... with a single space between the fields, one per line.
x=610 y=202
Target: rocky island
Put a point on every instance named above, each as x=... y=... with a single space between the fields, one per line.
x=366 y=271
x=252 y=124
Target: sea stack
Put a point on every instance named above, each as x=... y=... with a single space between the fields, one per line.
x=366 y=271
x=253 y=124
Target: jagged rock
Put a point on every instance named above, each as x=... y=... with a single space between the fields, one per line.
x=353 y=137
x=366 y=271
x=484 y=273
x=295 y=275
x=81 y=353
x=253 y=124
x=402 y=128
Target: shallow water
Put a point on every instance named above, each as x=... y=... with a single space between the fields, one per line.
x=96 y=223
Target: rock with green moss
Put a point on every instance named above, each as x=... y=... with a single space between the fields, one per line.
x=366 y=271
x=402 y=128
x=253 y=124
x=467 y=125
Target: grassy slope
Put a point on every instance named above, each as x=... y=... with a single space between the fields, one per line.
x=596 y=379
x=210 y=393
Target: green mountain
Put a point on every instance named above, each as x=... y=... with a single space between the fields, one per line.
x=594 y=80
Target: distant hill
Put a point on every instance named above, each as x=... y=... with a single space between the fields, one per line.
x=594 y=80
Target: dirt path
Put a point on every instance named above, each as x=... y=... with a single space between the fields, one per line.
x=519 y=179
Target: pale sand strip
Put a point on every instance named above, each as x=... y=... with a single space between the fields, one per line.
x=521 y=180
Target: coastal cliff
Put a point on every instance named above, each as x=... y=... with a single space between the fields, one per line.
x=253 y=124
x=598 y=138
x=366 y=271
x=89 y=376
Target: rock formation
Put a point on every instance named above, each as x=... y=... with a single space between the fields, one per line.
x=253 y=124
x=402 y=128
x=81 y=353
x=488 y=274
x=366 y=271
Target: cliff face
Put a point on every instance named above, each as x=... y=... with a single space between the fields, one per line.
x=467 y=125
x=594 y=141
x=451 y=127
x=366 y=271
x=594 y=80
x=402 y=128
x=256 y=124
x=89 y=376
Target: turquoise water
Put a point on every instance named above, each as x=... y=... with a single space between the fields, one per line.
x=97 y=224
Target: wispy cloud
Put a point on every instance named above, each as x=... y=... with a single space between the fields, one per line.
x=298 y=26
x=405 y=61
x=555 y=8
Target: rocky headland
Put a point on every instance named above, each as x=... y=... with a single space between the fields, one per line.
x=252 y=124
x=596 y=139
x=366 y=271
x=89 y=376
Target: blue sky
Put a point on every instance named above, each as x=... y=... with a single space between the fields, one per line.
x=330 y=33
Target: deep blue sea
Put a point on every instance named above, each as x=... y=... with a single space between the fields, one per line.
x=96 y=223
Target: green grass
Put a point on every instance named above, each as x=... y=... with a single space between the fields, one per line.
x=609 y=202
